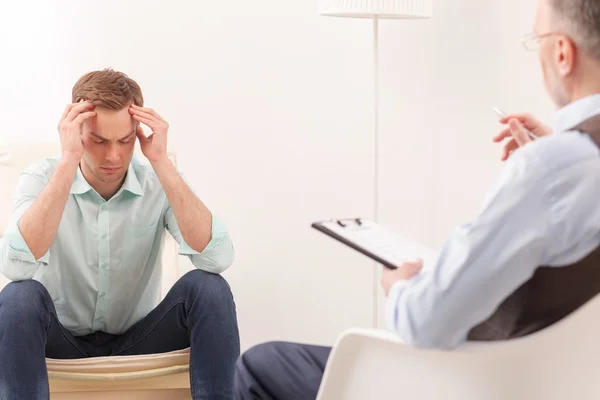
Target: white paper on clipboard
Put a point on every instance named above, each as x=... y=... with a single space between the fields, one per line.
x=380 y=241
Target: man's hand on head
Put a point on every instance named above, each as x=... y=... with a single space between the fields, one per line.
x=154 y=146
x=403 y=273
x=69 y=128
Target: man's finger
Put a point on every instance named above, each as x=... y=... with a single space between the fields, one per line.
x=511 y=146
x=412 y=265
x=67 y=110
x=518 y=132
x=83 y=116
x=418 y=263
x=409 y=269
x=502 y=135
x=147 y=114
x=145 y=110
x=144 y=114
x=523 y=118
x=144 y=120
x=78 y=109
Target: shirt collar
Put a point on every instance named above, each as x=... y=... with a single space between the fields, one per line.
x=80 y=185
x=576 y=113
x=131 y=183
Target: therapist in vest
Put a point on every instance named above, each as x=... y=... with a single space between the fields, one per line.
x=528 y=259
x=84 y=248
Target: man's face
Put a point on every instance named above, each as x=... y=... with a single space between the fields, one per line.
x=550 y=53
x=108 y=141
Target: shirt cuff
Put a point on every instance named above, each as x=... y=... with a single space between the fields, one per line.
x=218 y=235
x=391 y=305
x=19 y=250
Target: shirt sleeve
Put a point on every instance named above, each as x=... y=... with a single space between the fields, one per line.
x=217 y=256
x=480 y=264
x=17 y=262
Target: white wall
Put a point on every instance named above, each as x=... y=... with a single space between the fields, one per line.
x=266 y=103
x=270 y=111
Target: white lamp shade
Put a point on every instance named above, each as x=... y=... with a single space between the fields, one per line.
x=377 y=8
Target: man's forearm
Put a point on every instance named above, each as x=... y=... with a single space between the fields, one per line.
x=40 y=223
x=193 y=217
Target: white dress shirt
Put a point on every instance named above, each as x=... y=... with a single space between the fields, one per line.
x=544 y=210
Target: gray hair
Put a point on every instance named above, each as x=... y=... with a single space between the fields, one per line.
x=582 y=20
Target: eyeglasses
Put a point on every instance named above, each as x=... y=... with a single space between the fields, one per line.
x=532 y=41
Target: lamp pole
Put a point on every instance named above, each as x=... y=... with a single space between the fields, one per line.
x=376 y=159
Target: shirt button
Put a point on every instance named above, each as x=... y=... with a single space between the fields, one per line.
x=105 y=236
x=103 y=266
x=102 y=294
x=100 y=319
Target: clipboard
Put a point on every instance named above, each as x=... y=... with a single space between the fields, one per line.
x=375 y=241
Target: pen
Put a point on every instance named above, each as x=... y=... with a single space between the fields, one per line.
x=503 y=114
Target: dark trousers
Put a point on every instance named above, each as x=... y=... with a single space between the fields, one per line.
x=198 y=311
x=280 y=371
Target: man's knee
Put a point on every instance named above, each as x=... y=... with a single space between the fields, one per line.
x=250 y=370
x=25 y=298
x=260 y=359
x=276 y=370
x=204 y=284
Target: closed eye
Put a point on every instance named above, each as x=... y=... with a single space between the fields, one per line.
x=127 y=139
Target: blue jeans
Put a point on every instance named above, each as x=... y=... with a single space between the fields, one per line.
x=280 y=371
x=198 y=311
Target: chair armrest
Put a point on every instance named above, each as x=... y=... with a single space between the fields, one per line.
x=374 y=364
x=352 y=352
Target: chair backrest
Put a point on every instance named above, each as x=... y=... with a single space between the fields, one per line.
x=559 y=362
x=16 y=156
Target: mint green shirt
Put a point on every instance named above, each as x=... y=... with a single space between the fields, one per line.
x=104 y=269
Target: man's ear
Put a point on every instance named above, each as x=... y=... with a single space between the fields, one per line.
x=566 y=54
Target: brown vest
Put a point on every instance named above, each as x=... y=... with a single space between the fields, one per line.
x=549 y=295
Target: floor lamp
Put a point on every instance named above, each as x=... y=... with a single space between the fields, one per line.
x=376 y=10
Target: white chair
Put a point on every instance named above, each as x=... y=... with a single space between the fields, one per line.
x=150 y=377
x=559 y=362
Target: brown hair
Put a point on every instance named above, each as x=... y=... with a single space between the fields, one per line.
x=108 y=88
x=582 y=18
